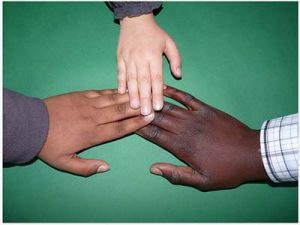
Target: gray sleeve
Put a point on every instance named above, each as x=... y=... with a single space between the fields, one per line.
x=25 y=127
x=131 y=9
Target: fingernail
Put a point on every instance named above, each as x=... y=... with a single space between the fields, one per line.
x=156 y=171
x=121 y=90
x=178 y=71
x=150 y=116
x=145 y=111
x=134 y=104
x=165 y=86
x=157 y=106
x=102 y=168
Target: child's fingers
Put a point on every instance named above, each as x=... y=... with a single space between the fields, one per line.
x=173 y=55
x=157 y=83
x=132 y=84
x=144 y=85
x=121 y=76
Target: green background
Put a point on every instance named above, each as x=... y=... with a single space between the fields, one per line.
x=238 y=57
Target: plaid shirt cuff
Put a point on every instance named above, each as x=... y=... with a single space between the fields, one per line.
x=279 y=146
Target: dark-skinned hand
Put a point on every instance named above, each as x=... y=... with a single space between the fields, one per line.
x=220 y=151
x=80 y=120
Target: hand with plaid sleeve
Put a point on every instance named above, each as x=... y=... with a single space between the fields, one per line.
x=279 y=146
x=220 y=151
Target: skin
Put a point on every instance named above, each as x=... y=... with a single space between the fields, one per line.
x=80 y=120
x=220 y=151
x=141 y=46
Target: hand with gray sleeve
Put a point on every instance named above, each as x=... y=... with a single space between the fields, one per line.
x=57 y=128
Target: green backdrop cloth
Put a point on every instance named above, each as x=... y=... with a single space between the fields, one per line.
x=238 y=57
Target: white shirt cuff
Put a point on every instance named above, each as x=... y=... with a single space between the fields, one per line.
x=279 y=145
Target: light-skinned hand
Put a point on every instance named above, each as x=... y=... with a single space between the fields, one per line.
x=220 y=151
x=80 y=120
x=141 y=46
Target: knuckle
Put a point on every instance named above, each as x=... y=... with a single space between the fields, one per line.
x=121 y=70
x=91 y=93
x=207 y=113
x=120 y=127
x=122 y=52
x=204 y=186
x=119 y=55
x=145 y=94
x=131 y=77
x=98 y=92
x=91 y=119
x=111 y=98
x=189 y=98
x=119 y=52
x=150 y=55
x=131 y=52
x=133 y=92
x=86 y=173
x=93 y=137
x=175 y=177
x=121 y=79
x=173 y=92
x=144 y=79
x=154 y=133
x=157 y=77
x=158 y=117
x=168 y=107
x=120 y=108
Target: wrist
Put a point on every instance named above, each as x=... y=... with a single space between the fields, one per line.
x=138 y=20
x=255 y=167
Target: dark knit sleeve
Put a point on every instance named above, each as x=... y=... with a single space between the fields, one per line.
x=25 y=127
x=131 y=9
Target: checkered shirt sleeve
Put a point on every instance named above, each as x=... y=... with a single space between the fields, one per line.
x=279 y=145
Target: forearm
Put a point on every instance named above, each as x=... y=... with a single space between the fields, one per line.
x=25 y=127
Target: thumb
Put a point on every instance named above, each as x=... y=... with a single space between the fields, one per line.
x=173 y=56
x=182 y=175
x=84 y=167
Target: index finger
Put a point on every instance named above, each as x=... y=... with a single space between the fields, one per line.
x=114 y=113
x=118 y=129
x=157 y=83
x=97 y=93
x=105 y=100
x=161 y=137
x=186 y=99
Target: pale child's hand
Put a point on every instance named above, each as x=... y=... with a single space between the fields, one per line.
x=142 y=44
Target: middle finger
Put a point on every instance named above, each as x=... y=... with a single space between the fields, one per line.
x=144 y=85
